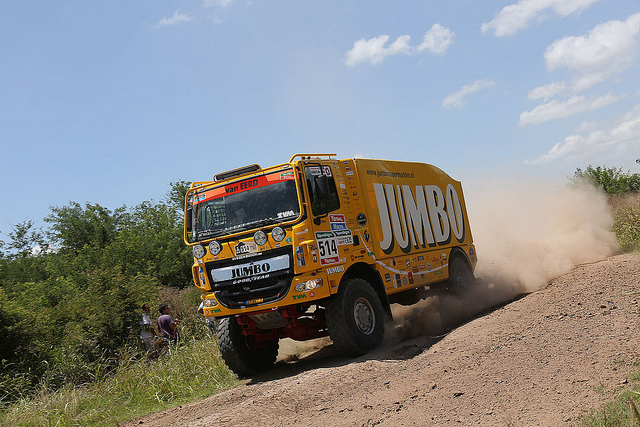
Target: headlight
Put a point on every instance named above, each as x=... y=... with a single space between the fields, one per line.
x=198 y=251
x=209 y=302
x=309 y=285
x=278 y=234
x=214 y=248
x=260 y=238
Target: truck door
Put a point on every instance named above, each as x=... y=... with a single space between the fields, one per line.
x=325 y=209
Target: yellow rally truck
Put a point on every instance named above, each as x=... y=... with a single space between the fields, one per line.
x=319 y=246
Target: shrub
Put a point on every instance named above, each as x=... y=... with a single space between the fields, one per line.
x=626 y=212
x=613 y=181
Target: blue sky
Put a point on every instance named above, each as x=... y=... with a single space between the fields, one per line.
x=109 y=101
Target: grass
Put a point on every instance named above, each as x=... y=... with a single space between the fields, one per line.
x=138 y=387
x=623 y=411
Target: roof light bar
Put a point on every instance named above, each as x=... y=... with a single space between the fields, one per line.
x=237 y=172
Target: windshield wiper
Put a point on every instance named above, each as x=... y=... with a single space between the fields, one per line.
x=262 y=222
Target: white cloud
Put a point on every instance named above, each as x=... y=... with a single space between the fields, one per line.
x=574 y=105
x=547 y=91
x=517 y=16
x=437 y=40
x=606 y=50
x=457 y=100
x=607 y=44
x=618 y=137
x=175 y=19
x=207 y=4
x=374 y=50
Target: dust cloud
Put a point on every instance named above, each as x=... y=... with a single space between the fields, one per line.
x=525 y=234
x=290 y=350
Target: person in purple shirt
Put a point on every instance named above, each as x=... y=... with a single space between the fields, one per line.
x=166 y=325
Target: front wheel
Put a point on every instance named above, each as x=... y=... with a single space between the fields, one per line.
x=240 y=355
x=461 y=277
x=355 y=318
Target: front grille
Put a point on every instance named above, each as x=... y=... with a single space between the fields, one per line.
x=259 y=289
x=255 y=293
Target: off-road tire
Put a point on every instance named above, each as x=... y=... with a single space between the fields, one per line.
x=355 y=318
x=239 y=354
x=461 y=277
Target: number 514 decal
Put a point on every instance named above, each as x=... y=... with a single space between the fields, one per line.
x=327 y=247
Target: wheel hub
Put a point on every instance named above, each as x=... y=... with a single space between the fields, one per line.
x=364 y=316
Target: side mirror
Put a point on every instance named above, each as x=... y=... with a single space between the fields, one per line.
x=189 y=221
x=322 y=186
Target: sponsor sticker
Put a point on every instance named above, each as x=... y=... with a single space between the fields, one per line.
x=246 y=248
x=336 y=218
x=314 y=170
x=344 y=240
x=361 y=219
x=334 y=270
x=327 y=247
x=300 y=256
x=248 y=272
x=286 y=214
x=338 y=226
x=286 y=176
x=337 y=222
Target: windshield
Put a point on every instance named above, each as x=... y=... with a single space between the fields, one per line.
x=242 y=205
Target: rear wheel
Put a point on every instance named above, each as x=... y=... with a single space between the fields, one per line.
x=461 y=277
x=355 y=318
x=240 y=355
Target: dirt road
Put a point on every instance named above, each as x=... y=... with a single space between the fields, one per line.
x=545 y=359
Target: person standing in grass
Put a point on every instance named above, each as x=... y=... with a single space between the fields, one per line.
x=166 y=324
x=147 y=334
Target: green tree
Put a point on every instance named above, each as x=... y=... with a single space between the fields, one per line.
x=26 y=259
x=26 y=240
x=176 y=196
x=16 y=330
x=612 y=181
x=75 y=227
x=66 y=312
